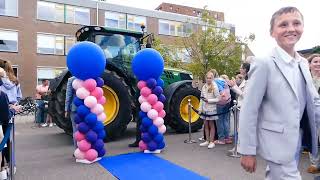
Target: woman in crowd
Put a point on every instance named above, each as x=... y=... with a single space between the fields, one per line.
x=209 y=97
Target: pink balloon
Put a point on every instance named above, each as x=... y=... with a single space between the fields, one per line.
x=162 y=129
x=82 y=93
x=97 y=109
x=90 y=101
x=78 y=136
x=162 y=114
x=91 y=155
x=145 y=91
x=90 y=84
x=78 y=154
x=145 y=107
x=102 y=117
x=102 y=100
x=142 y=145
x=141 y=84
x=152 y=99
x=84 y=145
x=158 y=121
x=152 y=114
x=158 y=106
x=97 y=92
x=77 y=83
x=142 y=99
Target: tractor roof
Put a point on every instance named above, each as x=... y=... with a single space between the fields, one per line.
x=84 y=32
x=177 y=70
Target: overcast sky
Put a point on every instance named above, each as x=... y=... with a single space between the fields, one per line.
x=251 y=16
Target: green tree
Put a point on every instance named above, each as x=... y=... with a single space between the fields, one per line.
x=211 y=47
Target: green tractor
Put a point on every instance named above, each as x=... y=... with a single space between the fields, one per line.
x=120 y=88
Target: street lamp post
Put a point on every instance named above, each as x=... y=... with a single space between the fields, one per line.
x=97 y=10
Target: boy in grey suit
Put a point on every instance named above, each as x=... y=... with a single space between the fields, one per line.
x=281 y=106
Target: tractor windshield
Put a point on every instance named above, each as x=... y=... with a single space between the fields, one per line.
x=118 y=48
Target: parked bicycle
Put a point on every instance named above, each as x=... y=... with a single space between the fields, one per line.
x=29 y=106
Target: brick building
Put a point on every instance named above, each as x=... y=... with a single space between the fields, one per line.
x=35 y=35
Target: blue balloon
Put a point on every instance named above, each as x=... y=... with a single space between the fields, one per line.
x=161 y=145
x=152 y=146
x=83 y=128
x=99 y=144
x=143 y=129
x=162 y=98
x=146 y=122
x=101 y=134
x=146 y=137
x=147 y=63
x=158 y=138
x=77 y=101
x=100 y=81
x=91 y=119
x=151 y=83
x=77 y=119
x=82 y=111
x=101 y=153
x=91 y=136
x=153 y=130
x=86 y=60
x=142 y=114
x=157 y=91
x=98 y=127
x=160 y=82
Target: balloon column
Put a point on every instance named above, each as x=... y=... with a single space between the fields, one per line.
x=86 y=61
x=148 y=65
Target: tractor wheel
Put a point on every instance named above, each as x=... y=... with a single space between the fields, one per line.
x=56 y=108
x=178 y=115
x=118 y=107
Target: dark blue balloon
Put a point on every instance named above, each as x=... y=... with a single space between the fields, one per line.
x=158 y=138
x=152 y=146
x=77 y=119
x=100 y=81
x=82 y=111
x=143 y=129
x=91 y=119
x=146 y=137
x=91 y=136
x=160 y=82
x=153 y=130
x=86 y=60
x=101 y=134
x=77 y=101
x=161 y=145
x=142 y=114
x=151 y=83
x=101 y=153
x=157 y=91
x=99 y=144
x=147 y=63
x=146 y=122
x=162 y=98
x=83 y=128
x=98 y=127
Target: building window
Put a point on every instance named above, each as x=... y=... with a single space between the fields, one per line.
x=50 y=44
x=135 y=22
x=115 y=20
x=47 y=73
x=173 y=28
x=77 y=15
x=50 y=11
x=9 y=7
x=8 y=41
x=69 y=42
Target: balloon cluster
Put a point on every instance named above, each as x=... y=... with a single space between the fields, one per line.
x=148 y=66
x=89 y=99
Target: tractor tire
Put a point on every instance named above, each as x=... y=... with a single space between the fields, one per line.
x=177 y=118
x=56 y=108
x=118 y=107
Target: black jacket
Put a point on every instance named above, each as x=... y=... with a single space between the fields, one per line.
x=4 y=108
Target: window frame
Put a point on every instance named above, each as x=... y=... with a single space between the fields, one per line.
x=47 y=67
x=74 y=17
x=55 y=16
x=113 y=12
x=55 y=43
x=177 y=25
x=11 y=30
x=134 y=23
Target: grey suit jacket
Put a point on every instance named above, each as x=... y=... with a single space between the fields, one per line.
x=269 y=122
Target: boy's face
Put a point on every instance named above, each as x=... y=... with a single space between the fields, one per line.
x=287 y=30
